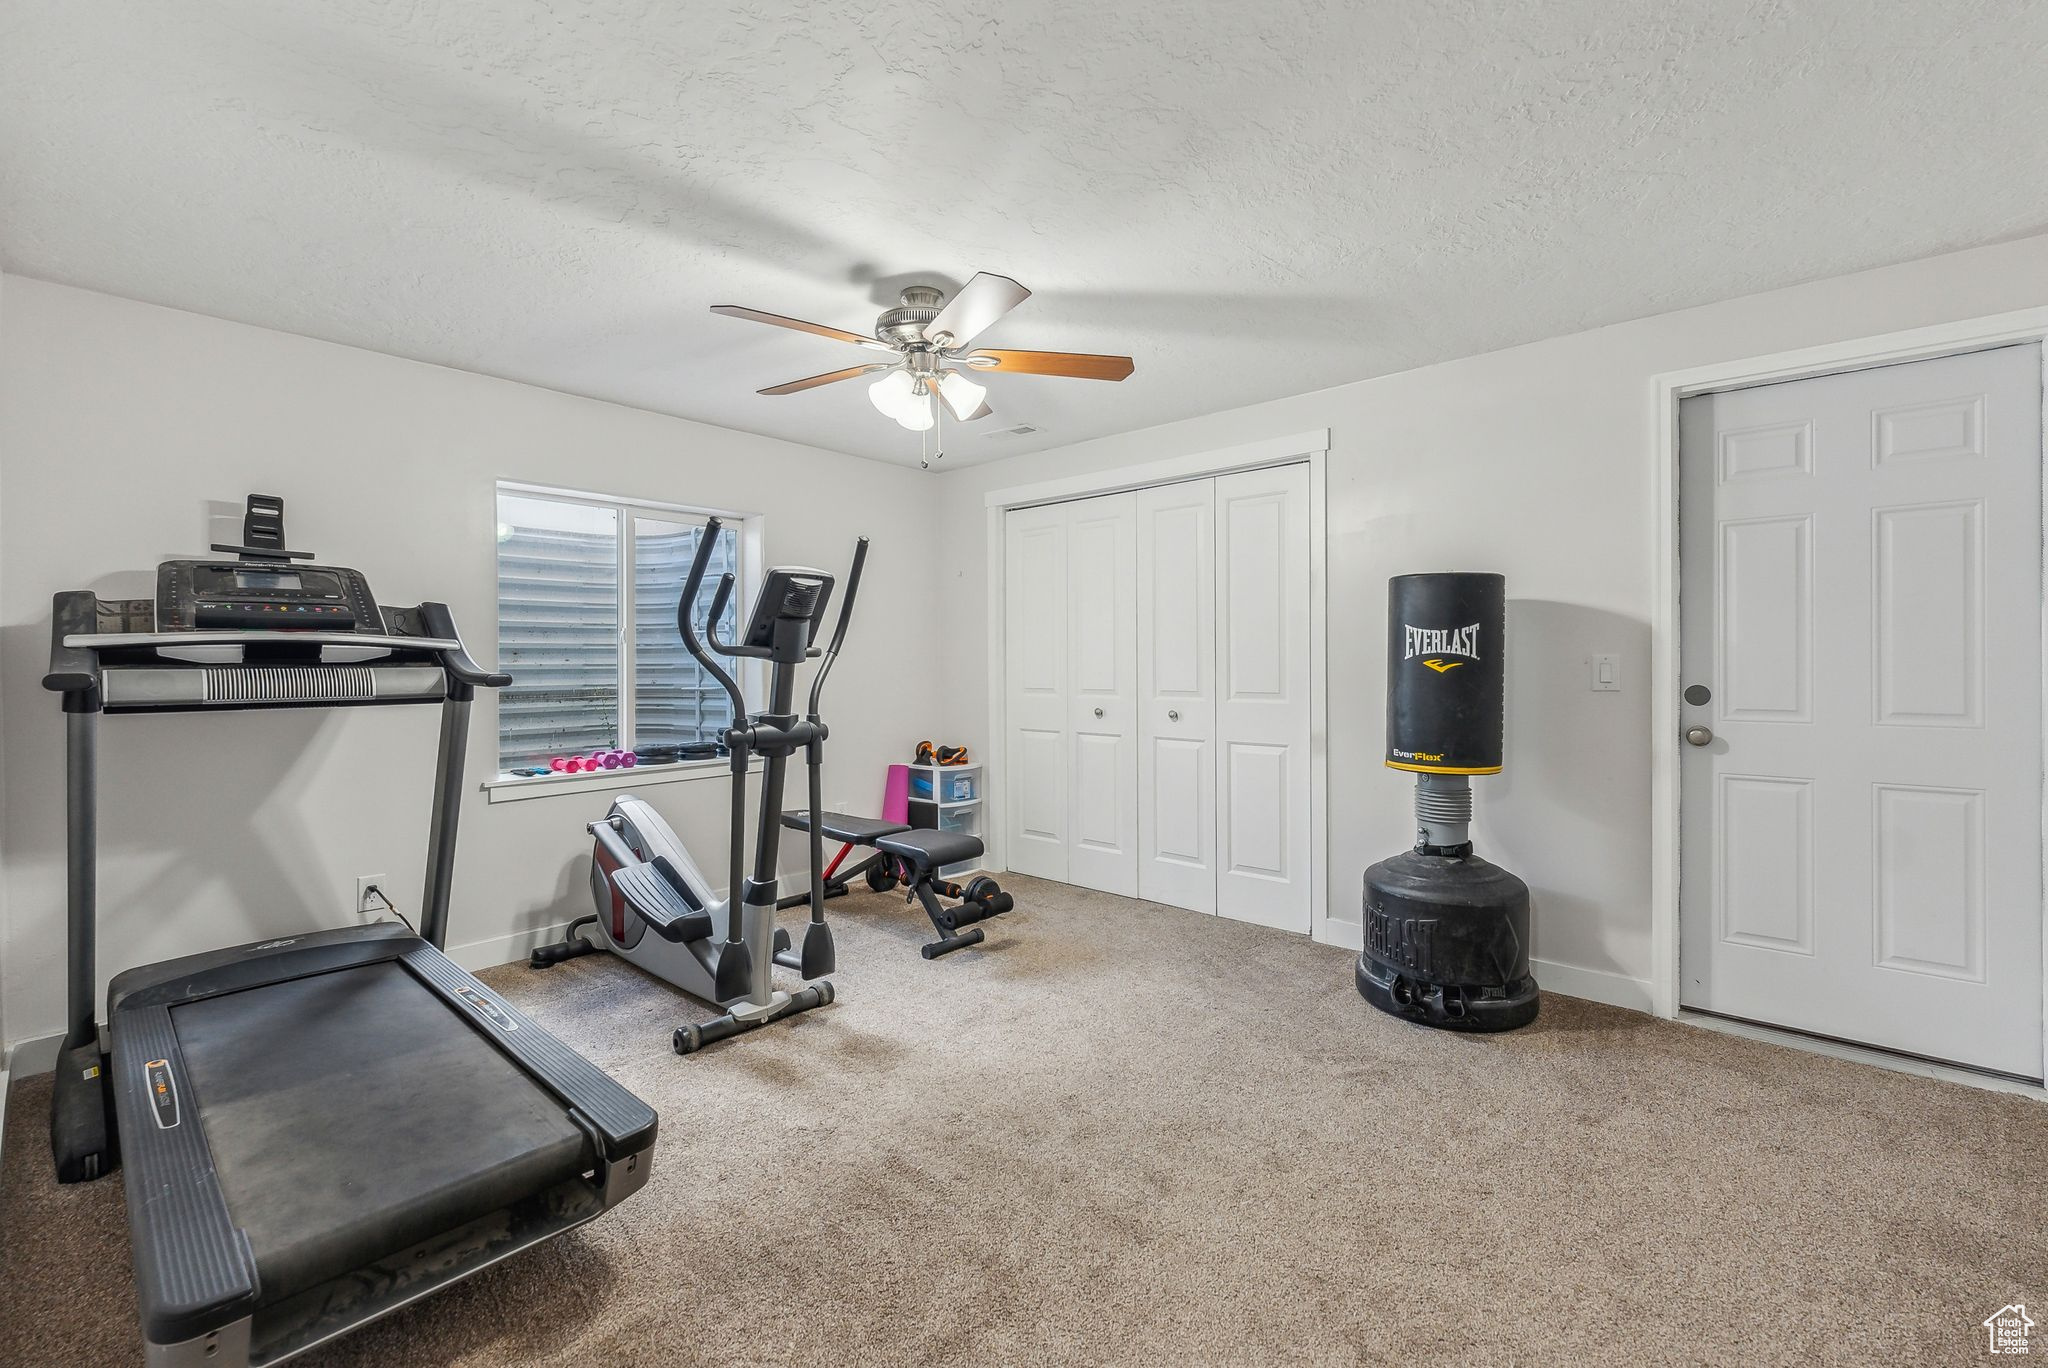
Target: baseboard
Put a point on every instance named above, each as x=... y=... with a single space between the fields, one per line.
x=39 y=1054
x=1595 y=985
x=514 y=948
x=511 y=949
x=1345 y=935
x=36 y=1055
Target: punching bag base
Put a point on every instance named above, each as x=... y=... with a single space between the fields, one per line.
x=1447 y=943
x=1448 y=1007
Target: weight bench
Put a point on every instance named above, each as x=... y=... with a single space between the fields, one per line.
x=911 y=856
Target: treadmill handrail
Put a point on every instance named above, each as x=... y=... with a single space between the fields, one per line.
x=440 y=625
x=111 y=641
x=860 y=556
x=706 y=541
x=74 y=669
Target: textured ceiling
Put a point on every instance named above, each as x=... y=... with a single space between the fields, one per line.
x=1252 y=199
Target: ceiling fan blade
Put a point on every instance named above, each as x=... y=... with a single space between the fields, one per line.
x=812 y=382
x=1077 y=365
x=821 y=329
x=967 y=315
x=982 y=412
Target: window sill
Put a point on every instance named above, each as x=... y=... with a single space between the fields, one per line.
x=508 y=789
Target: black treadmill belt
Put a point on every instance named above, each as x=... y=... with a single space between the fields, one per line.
x=351 y=1114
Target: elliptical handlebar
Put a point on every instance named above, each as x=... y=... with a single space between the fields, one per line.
x=688 y=627
x=860 y=556
x=719 y=599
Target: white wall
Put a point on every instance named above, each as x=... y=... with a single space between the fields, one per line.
x=5 y=295
x=119 y=424
x=1534 y=462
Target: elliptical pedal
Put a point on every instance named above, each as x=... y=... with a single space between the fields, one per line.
x=817 y=958
x=660 y=903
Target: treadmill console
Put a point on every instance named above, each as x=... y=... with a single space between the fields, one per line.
x=267 y=596
x=256 y=627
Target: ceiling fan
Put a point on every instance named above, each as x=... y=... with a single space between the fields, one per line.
x=932 y=341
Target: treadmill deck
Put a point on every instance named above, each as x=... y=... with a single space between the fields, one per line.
x=351 y=1114
x=320 y=1129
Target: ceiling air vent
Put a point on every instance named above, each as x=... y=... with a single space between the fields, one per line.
x=1021 y=430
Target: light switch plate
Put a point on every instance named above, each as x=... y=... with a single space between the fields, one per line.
x=1605 y=674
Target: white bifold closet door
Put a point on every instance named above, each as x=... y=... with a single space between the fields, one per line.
x=1177 y=694
x=1262 y=697
x=1070 y=625
x=1161 y=749
x=1035 y=690
x=1102 y=673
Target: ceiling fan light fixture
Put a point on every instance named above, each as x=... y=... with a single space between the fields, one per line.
x=894 y=394
x=962 y=395
x=916 y=414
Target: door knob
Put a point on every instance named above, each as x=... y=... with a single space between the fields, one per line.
x=1698 y=736
x=1173 y=714
x=1098 y=712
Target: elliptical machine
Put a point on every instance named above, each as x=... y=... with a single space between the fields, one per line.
x=654 y=906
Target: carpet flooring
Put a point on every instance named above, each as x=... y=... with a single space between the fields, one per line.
x=1120 y=1133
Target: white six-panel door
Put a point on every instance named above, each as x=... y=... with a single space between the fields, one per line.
x=1262 y=697
x=1035 y=690
x=1102 y=674
x=1861 y=605
x=1177 y=695
x=1158 y=732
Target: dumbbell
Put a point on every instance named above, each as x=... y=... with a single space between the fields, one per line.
x=985 y=893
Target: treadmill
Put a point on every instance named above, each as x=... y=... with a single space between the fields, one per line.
x=316 y=1129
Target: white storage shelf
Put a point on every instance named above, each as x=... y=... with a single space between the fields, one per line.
x=951 y=796
x=948 y=785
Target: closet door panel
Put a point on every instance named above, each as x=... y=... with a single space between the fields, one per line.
x=1177 y=695
x=1102 y=669
x=1035 y=703
x=1262 y=698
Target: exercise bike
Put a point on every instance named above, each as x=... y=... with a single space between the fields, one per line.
x=654 y=905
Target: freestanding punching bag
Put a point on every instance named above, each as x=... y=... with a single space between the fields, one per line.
x=1446 y=933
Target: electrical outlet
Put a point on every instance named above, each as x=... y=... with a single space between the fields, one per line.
x=366 y=905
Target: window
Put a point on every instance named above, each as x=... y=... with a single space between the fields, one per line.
x=571 y=570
